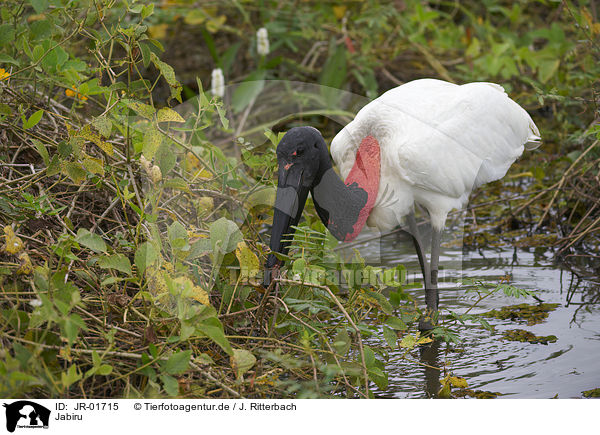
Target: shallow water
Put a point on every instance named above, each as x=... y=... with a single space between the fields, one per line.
x=517 y=370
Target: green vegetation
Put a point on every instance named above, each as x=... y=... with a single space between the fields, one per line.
x=131 y=237
x=526 y=336
x=532 y=314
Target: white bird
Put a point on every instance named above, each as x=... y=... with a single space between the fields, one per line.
x=428 y=142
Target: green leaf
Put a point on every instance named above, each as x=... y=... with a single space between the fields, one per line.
x=42 y=151
x=547 y=68
x=168 y=115
x=369 y=357
x=103 y=125
x=249 y=264
x=39 y=5
x=381 y=300
x=178 y=363
x=177 y=184
x=33 y=120
x=248 y=90
x=222 y=116
x=242 y=361
x=71 y=376
x=333 y=75
x=213 y=329
x=71 y=325
x=152 y=141
x=90 y=240
x=105 y=370
x=141 y=109
x=95 y=166
x=165 y=158
x=7 y=33
x=299 y=266
x=75 y=172
x=116 y=261
x=145 y=49
x=5 y=108
x=147 y=10
x=409 y=341
x=341 y=342
x=379 y=377
x=396 y=323
x=5 y=58
x=168 y=73
x=390 y=336
x=170 y=385
x=178 y=236
x=145 y=255
x=224 y=235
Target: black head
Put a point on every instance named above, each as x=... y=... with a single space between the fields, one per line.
x=302 y=157
x=303 y=149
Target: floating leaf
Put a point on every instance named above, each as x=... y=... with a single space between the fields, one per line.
x=591 y=393
x=458 y=382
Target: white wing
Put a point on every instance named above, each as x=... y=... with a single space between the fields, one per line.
x=439 y=136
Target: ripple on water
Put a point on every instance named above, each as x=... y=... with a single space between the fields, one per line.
x=517 y=370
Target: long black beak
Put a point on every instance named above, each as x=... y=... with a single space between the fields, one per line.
x=289 y=203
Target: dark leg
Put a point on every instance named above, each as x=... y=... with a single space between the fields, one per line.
x=433 y=297
x=414 y=232
x=431 y=291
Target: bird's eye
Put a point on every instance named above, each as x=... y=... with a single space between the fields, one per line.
x=299 y=152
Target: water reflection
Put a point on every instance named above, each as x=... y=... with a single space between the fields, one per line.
x=514 y=369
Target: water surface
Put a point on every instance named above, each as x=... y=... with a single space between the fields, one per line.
x=517 y=370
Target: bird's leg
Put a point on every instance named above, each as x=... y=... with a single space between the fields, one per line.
x=436 y=240
x=431 y=291
x=414 y=232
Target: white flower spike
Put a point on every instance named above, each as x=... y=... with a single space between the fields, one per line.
x=218 y=83
x=262 y=41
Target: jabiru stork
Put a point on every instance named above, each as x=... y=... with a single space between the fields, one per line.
x=428 y=142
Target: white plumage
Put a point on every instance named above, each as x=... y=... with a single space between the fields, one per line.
x=438 y=142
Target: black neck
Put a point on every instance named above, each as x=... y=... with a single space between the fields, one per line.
x=337 y=204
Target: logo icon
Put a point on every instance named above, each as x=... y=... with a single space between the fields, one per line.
x=26 y=414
